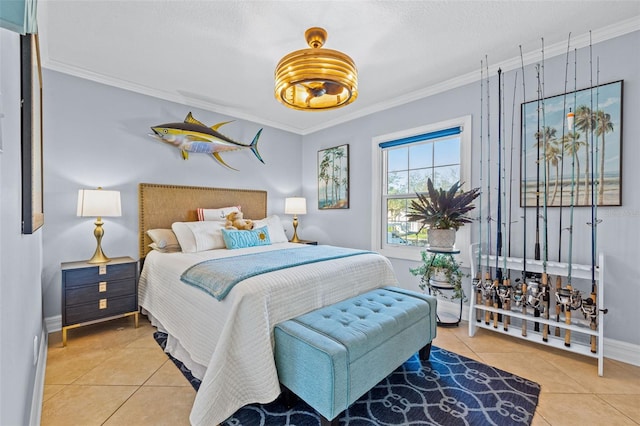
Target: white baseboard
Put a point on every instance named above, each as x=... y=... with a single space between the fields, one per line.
x=53 y=323
x=613 y=349
x=622 y=351
x=38 y=386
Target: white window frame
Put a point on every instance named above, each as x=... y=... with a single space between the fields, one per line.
x=463 y=236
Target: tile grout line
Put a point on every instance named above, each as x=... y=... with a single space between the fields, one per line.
x=121 y=405
x=136 y=391
x=597 y=395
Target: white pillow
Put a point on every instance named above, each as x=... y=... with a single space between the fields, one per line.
x=275 y=228
x=199 y=236
x=163 y=239
x=185 y=236
x=216 y=214
x=169 y=249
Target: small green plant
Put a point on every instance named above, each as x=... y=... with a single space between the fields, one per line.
x=433 y=263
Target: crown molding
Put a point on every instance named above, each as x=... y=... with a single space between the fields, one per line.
x=532 y=56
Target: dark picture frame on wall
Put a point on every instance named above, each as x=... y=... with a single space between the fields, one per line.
x=333 y=178
x=31 y=128
x=605 y=167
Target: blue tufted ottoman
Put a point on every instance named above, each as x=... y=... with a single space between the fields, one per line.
x=330 y=357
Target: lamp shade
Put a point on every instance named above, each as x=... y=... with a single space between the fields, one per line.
x=98 y=203
x=295 y=205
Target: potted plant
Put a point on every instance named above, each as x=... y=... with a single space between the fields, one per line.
x=444 y=211
x=440 y=271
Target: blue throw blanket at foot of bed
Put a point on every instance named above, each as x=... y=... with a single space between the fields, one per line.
x=218 y=276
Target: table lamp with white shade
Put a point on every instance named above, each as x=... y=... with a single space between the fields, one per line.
x=295 y=206
x=98 y=203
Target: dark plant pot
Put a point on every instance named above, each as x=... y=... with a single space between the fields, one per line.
x=442 y=239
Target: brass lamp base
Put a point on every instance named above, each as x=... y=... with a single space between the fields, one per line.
x=295 y=238
x=98 y=255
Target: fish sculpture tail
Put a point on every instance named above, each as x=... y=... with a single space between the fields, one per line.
x=254 y=146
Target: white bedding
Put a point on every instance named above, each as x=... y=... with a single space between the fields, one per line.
x=228 y=344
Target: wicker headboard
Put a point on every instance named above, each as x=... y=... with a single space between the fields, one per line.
x=161 y=205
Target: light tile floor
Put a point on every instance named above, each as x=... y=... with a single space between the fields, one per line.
x=114 y=374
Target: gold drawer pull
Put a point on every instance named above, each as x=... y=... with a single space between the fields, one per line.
x=102 y=286
x=103 y=304
x=102 y=269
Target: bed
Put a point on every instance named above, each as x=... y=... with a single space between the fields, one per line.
x=228 y=343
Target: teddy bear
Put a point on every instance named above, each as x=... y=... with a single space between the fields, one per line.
x=235 y=220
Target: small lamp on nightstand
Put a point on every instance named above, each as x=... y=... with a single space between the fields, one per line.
x=295 y=206
x=98 y=203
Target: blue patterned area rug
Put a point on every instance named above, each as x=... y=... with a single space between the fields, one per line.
x=448 y=389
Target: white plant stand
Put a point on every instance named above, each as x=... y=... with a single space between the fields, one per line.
x=443 y=288
x=578 y=325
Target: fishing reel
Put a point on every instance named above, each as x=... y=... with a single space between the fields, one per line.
x=488 y=291
x=569 y=298
x=504 y=293
x=537 y=295
x=589 y=309
x=476 y=284
x=518 y=297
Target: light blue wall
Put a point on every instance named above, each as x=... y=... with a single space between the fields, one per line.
x=619 y=232
x=97 y=135
x=20 y=255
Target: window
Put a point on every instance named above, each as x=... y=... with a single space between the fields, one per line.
x=403 y=163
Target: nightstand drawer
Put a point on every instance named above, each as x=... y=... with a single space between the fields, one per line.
x=100 y=290
x=101 y=308
x=91 y=275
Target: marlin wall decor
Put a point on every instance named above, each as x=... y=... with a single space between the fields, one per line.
x=194 y=136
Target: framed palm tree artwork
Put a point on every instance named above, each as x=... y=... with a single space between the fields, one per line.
x=585 y=160
x=333 y=178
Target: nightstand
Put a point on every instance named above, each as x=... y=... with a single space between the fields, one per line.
x=311 y=243
x=98 y=292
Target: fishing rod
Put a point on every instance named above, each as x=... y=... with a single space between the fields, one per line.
x=569 y=298
x=546 y=134
x=536 y=251
x=498 y=279
x=506 y=292
x=509 y=219
x=564 y=113
x=591 y=304
x=488 y=289
x=534 y=287
x=477 y=280
x=499 y=208
x=520 y=297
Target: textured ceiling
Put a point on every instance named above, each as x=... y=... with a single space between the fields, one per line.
x=221 y=55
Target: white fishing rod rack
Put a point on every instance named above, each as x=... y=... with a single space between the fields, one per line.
x=554 y=269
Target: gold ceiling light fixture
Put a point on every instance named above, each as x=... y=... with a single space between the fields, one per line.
x=316 y=79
